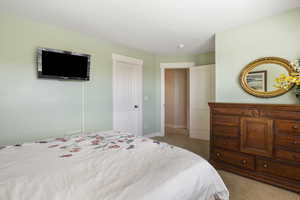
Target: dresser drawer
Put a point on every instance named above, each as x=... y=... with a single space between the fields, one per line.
x=227 y=143
x=226 y=130
x=287 y=127
x=280 y=114
x=287 y=155
x=234 y=158
x=278 y=169
x=225 y=120
x=235 y=111
x=287 y=141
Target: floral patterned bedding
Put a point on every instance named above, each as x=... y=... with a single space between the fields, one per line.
x=105 y=166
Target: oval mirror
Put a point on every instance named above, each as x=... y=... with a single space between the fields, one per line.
x=258 y=77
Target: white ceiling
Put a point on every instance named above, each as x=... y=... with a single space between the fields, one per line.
x=157 y=26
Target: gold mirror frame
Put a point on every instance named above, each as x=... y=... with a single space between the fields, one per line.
x=266 y=60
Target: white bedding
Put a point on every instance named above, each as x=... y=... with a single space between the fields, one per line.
x=106 y=166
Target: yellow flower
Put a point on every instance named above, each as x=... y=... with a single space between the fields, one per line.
x=277 y=86
x=282 y=76
x=289 y=78
x=284 y=81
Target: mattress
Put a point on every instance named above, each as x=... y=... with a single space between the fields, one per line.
x=106 y=166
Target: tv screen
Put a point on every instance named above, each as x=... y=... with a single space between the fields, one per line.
x=58 y=64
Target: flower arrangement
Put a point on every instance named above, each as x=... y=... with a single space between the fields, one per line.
x=284 y=81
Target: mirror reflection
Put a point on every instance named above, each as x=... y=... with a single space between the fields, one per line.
x=262 y=77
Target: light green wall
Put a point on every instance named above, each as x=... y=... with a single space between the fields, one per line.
x=273 y=36
x=205 y=58
x=32 y=108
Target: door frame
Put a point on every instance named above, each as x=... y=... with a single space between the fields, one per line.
x=163 y=67
x=139 y=63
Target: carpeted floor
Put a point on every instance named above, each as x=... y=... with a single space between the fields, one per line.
x=240 y=188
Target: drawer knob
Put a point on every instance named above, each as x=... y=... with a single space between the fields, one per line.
x=265 y=165
x=218 y=154
x=295 y=142
x=295 y=127
x=244 y=162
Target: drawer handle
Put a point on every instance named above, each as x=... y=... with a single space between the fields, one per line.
x=244 y=162
x=265 y=165
x=218 y=154
x=254 y=113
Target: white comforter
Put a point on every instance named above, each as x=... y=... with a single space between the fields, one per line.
x=106 y=166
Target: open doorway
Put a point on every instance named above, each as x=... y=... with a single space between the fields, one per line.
x=177 y=101
x=200 y=90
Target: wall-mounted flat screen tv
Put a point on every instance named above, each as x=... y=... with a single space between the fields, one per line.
x=59 y=64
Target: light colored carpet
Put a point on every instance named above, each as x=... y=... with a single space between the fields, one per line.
x=240 y=188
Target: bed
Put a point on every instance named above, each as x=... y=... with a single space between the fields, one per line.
x=106 y=166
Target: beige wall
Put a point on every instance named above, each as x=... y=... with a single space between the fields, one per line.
x=176 y=98
x=169 y=96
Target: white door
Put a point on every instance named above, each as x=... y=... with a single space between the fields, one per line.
x=201 y=92
x=127 y=97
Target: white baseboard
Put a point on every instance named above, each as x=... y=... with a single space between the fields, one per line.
x=153 y=134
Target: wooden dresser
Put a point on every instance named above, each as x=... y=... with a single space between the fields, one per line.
x=259 y=141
